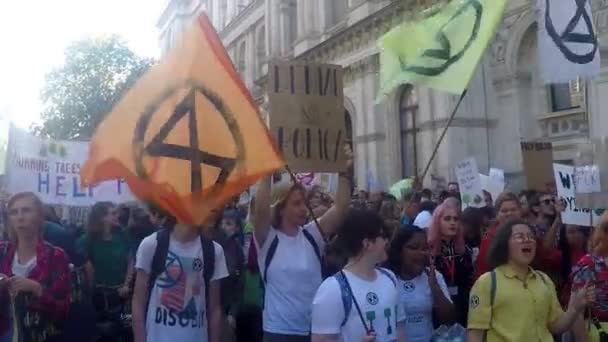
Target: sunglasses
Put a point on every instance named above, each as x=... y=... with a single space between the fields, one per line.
x=548 y=201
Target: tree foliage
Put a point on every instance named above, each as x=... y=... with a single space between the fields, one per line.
x=77 y=96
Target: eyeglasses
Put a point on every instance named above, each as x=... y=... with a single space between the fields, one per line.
x=523 y=237
x=451 y=218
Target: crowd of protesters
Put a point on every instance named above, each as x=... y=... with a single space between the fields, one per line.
x=298 y=264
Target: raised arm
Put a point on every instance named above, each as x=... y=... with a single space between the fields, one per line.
x=331 y=221
x=261 y=212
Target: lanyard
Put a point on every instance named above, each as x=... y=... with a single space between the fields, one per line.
x=449 y=262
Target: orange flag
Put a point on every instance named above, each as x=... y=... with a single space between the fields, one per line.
x=188 y=136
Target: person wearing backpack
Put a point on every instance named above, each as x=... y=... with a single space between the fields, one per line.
x=361 y=302
x=514 y=302
x=177 y=288
x=290 y=252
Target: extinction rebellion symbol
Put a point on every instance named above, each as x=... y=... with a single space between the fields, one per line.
x=445 y=54
x=157 y=147
x=571 y=37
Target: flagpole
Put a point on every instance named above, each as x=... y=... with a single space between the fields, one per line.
x=312 y=214
x=445 y=130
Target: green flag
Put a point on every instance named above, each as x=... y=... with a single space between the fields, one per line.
x=441 y=51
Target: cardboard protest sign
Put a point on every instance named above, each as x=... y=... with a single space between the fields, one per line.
x=564 y=180
x=51 y=170
x=538 y=165
x=470 y=184
x=306 y=107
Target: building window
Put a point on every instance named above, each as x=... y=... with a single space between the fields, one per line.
x=261 y=50
x=223 y=13
x=408 y=111
x=566 y=96
x=242 y=59
x=336 y=11
x=292 y=14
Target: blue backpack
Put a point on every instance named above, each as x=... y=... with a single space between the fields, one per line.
x=347 y=296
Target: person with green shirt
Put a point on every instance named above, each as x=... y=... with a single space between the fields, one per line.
x=106 y=247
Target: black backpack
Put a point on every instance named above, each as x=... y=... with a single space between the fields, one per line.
x=160 y=256
x=273 y=249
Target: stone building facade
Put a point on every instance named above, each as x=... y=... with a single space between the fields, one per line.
x=506 y=103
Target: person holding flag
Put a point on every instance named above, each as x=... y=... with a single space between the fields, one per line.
x=290 y=252
x=187 y=137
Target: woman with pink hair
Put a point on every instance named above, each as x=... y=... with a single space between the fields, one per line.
x=451 y=256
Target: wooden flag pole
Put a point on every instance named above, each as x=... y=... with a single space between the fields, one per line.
x=445 y=130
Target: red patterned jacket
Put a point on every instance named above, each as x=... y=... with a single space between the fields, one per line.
x=52 y=271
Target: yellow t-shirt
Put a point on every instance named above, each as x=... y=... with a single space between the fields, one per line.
x=520 y=313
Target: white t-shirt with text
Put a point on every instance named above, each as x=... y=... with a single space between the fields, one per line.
x=177 y=310
x=379 y=303
x=293 y=277
x=417 y=301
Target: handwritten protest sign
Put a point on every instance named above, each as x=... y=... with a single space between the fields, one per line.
x=51 y=169
x=469 y=183
x=538 y=165
x=491 y=185
x=587 y=179
x=564 y=180
x=306 y=107
x=497 y=176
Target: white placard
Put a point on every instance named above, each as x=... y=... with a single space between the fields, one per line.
x=498 y=176
x=491 y=185
x=51 y=170
x=469 y=182
x=564 y=180
x=587 y=179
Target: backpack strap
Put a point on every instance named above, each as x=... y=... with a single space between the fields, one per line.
x=388 y=274
x=542 y=277
x=312 y=241
x=492 y=287
x=208 y=263
x=271 y=252
x=347 y=301
x=158 y=260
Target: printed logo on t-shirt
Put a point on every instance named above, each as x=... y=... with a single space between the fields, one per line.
x=197 y=265
x=408 y=286
x=474 y=302
x=181 y=287
x=372 y=298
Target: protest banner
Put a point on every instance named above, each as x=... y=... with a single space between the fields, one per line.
x=568 y=44
x=51 y=170
x=440 y=51
x=306 y=108
x=188 y=135
x=564 y=181
x=469 y=182
x=538 y=165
